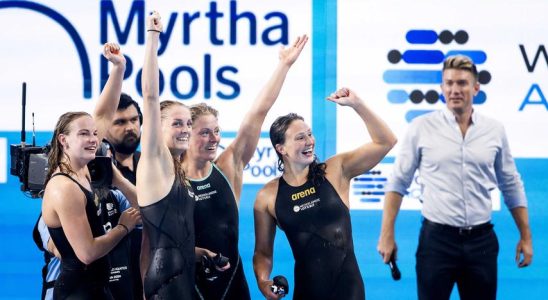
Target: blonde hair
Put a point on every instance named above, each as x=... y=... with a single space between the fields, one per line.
x=461 y=62
x=201 y=109
x=167 y=104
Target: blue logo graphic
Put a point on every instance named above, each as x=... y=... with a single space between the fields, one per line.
x=67 y=26
x=369 y=187
x=421 y=71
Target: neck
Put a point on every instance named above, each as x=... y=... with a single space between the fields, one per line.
x=295 y=175
x=76 y=166
x=464 y=119
x=196 y=168
x=125 y=160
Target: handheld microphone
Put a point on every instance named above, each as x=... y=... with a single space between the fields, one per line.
x=280 y=285
x=396 y=274
x=210 y=264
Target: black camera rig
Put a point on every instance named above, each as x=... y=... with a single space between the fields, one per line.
x=30 y=162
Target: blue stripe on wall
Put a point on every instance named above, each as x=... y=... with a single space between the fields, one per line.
x=324 y=76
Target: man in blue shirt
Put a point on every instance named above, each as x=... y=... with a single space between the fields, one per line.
x=461 y=157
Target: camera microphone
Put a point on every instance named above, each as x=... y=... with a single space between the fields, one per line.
x=395 y=271
x=33 y=132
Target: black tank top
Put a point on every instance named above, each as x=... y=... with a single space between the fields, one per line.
x=216 y=225
x=77 y=277
x=317 y=225
x=122 y=259
x=170 y=227
x=134 y=244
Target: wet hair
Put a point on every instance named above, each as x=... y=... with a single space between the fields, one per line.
x=461 y=62
x=56 y=156
x=126 y=101
x=177 y=168
x=316 y=170
x=201 y=109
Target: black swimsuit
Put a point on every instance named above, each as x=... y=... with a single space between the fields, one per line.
x=78 y=280
x=317 y=225
x=216 y=224
x=170 y=227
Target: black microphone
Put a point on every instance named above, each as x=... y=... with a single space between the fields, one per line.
x=210 y=264
x=396 y=274
x=280 y=285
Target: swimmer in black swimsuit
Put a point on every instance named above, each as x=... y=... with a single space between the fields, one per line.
x=310 y=203
x=166 y=203
x=68 y=208
x=217 y=182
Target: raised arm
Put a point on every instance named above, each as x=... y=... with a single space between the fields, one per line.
x=245 y=143
x=356 y=162
x=151 y=138
x=110 y=95
x=265 y=231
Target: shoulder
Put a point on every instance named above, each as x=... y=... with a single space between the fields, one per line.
x=270 y=186
x=62 y=187
x=268 y=192
x=225 y=160
x=64 y=194
x=433 y=116
x=488 y=122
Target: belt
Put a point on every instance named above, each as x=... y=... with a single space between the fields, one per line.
x=465 y=231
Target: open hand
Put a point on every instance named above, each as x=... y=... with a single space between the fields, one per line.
x=290 y=54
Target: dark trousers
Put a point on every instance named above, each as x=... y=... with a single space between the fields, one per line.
x=447 y=255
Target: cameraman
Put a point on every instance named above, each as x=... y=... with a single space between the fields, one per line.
x=124 y=136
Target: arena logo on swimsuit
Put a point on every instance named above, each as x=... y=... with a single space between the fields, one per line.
x=203 y=187
x=302 y=194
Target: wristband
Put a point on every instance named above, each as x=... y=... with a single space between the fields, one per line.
x=125 y=227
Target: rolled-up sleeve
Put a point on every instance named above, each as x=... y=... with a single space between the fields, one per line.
x=406 y=162
x=508 y=179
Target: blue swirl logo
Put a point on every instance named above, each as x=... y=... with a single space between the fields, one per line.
x=424 y=69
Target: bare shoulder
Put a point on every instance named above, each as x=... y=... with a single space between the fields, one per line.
x=61 y=196
x=267 y=194
x=225 y=161
x=62 y=189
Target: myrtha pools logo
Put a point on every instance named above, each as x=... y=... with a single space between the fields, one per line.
x=418 y=74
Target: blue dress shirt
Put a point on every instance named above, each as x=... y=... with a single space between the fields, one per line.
x=457 y=174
